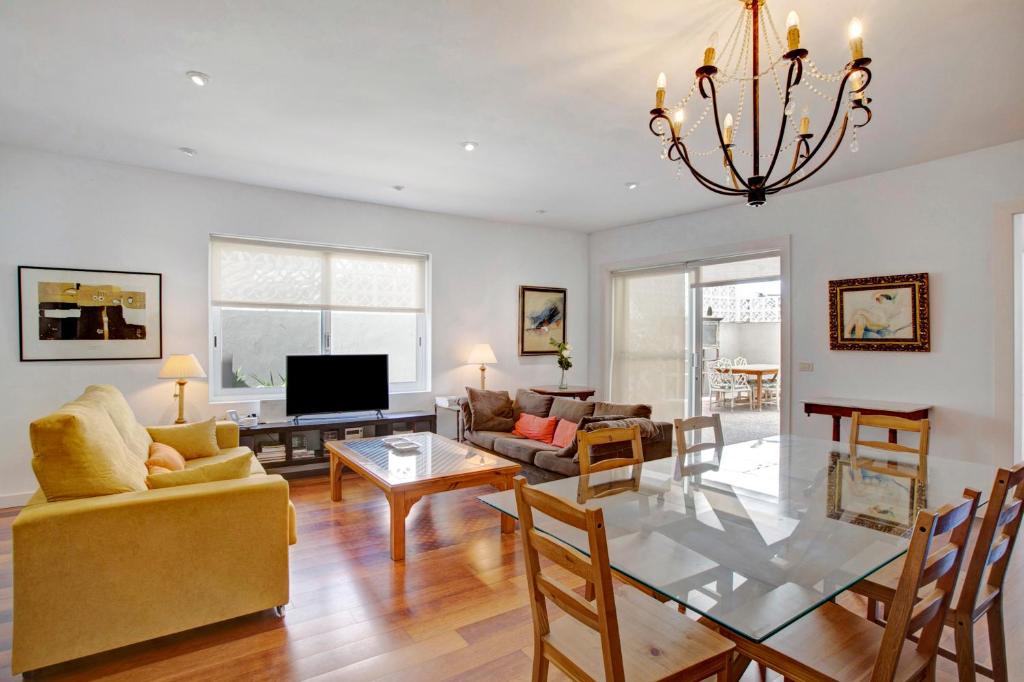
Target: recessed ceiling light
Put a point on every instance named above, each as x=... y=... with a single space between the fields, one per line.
x=541 y=211
x=398 y=188
x=198 y=78
x=469 y=145
x=188 y=151
x=631 y=185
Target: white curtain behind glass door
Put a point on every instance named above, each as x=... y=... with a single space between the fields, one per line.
x=649 y=341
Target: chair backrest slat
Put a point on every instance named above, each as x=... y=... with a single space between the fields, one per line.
x=563 y=555
x=882 y=421
x=570 y=602
x=687 y=445
x=926 y=566
x=554 y=507
x=996 y=538
x=587 y=440
x=601 y=615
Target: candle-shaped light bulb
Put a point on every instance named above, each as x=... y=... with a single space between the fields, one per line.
x=727 y=125
x=677 y=121
x=709 y=51
x=793 y=30
x=659 y=95
x=856 y=39
x=805 y=123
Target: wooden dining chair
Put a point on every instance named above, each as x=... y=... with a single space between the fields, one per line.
x=684 y=426
x=623 y=635
x=894 y=426
x=603 y=439
x=981 y=585
x=832 y=643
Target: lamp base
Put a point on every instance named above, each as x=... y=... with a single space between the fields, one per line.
x=483 y=376
x=181 y=402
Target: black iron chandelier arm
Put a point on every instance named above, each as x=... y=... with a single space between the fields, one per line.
x=793 y=183
x=707 y=182
x=796 y=65
x=718 y=127
x=840 y=100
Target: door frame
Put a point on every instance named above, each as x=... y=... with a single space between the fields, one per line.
x=730 y=251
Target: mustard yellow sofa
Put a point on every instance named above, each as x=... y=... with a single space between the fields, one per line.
x=96 y=573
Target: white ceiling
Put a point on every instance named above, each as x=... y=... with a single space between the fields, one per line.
x=347 y=99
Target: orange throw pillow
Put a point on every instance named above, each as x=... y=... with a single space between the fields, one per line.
x=537 y=428
x=164 y=457
x=565 y=433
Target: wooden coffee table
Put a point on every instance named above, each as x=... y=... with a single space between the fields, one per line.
x=438 y=465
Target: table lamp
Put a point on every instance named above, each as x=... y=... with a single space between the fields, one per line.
x=481 y=353
x=182 y=368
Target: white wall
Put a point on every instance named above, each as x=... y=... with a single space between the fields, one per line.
x=70 y=212
x=951 y=218
x=758 y=342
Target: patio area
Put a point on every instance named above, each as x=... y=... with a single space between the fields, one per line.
x=741 y=424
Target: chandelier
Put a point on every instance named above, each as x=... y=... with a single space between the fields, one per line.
x=745 y=42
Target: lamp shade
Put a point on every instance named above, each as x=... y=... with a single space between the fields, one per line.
x=481 y=354
x=182 y=367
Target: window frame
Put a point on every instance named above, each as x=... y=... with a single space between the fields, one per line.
x=219 y=394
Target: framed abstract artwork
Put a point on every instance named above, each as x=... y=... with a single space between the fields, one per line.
x=74 y=314
x=879 y=313
x=541 y=319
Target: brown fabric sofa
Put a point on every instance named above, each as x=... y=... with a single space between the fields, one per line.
x=544 y=461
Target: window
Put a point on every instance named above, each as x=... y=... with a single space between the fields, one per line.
x=269 y=300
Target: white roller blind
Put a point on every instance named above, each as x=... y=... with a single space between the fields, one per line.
x=257 y=274
x=717 y=274
x=649 y=340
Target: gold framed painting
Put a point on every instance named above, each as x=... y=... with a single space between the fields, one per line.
x=873 y=496
x=888 y=313
x=541 y=319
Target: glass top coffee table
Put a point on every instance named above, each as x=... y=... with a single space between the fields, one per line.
x=760 y=533
x=436 y=465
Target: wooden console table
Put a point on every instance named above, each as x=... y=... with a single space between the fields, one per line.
x=293 y=467
x=578 y=392
x=837 y=408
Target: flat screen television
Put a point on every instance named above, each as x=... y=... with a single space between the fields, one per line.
x=322 y=384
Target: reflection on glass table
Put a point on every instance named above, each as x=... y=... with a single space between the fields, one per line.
x=757 y=534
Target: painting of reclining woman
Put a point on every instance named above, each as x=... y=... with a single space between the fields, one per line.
x=69 y=314
x=880 y=313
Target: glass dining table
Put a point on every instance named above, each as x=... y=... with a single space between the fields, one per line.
x=757 y=534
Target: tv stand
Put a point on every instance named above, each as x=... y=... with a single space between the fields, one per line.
x=295 y=462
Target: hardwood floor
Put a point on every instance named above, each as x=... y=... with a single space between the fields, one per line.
x=456 y=609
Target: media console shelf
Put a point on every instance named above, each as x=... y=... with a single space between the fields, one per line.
x=266 y=439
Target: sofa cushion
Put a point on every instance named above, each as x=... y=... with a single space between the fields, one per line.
x=602 y=409
x=164 y=457
x=485 y=439
x=135 y=436
x=229 y=469
x=560 y=465
x=228 y=453
x=490 y=410
x=565 y=433
x=522 y=449
x=196 y=439
x=648 y=431
x=537 y=428
x=78 y=452
x=571 y=409
x=532 y=403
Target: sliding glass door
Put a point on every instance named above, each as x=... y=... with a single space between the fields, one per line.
x=652 y=343
x=677 y=331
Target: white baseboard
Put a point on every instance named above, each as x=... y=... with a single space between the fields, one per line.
x=15 y=499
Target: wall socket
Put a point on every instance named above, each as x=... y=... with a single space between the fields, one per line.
x=806 y=366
